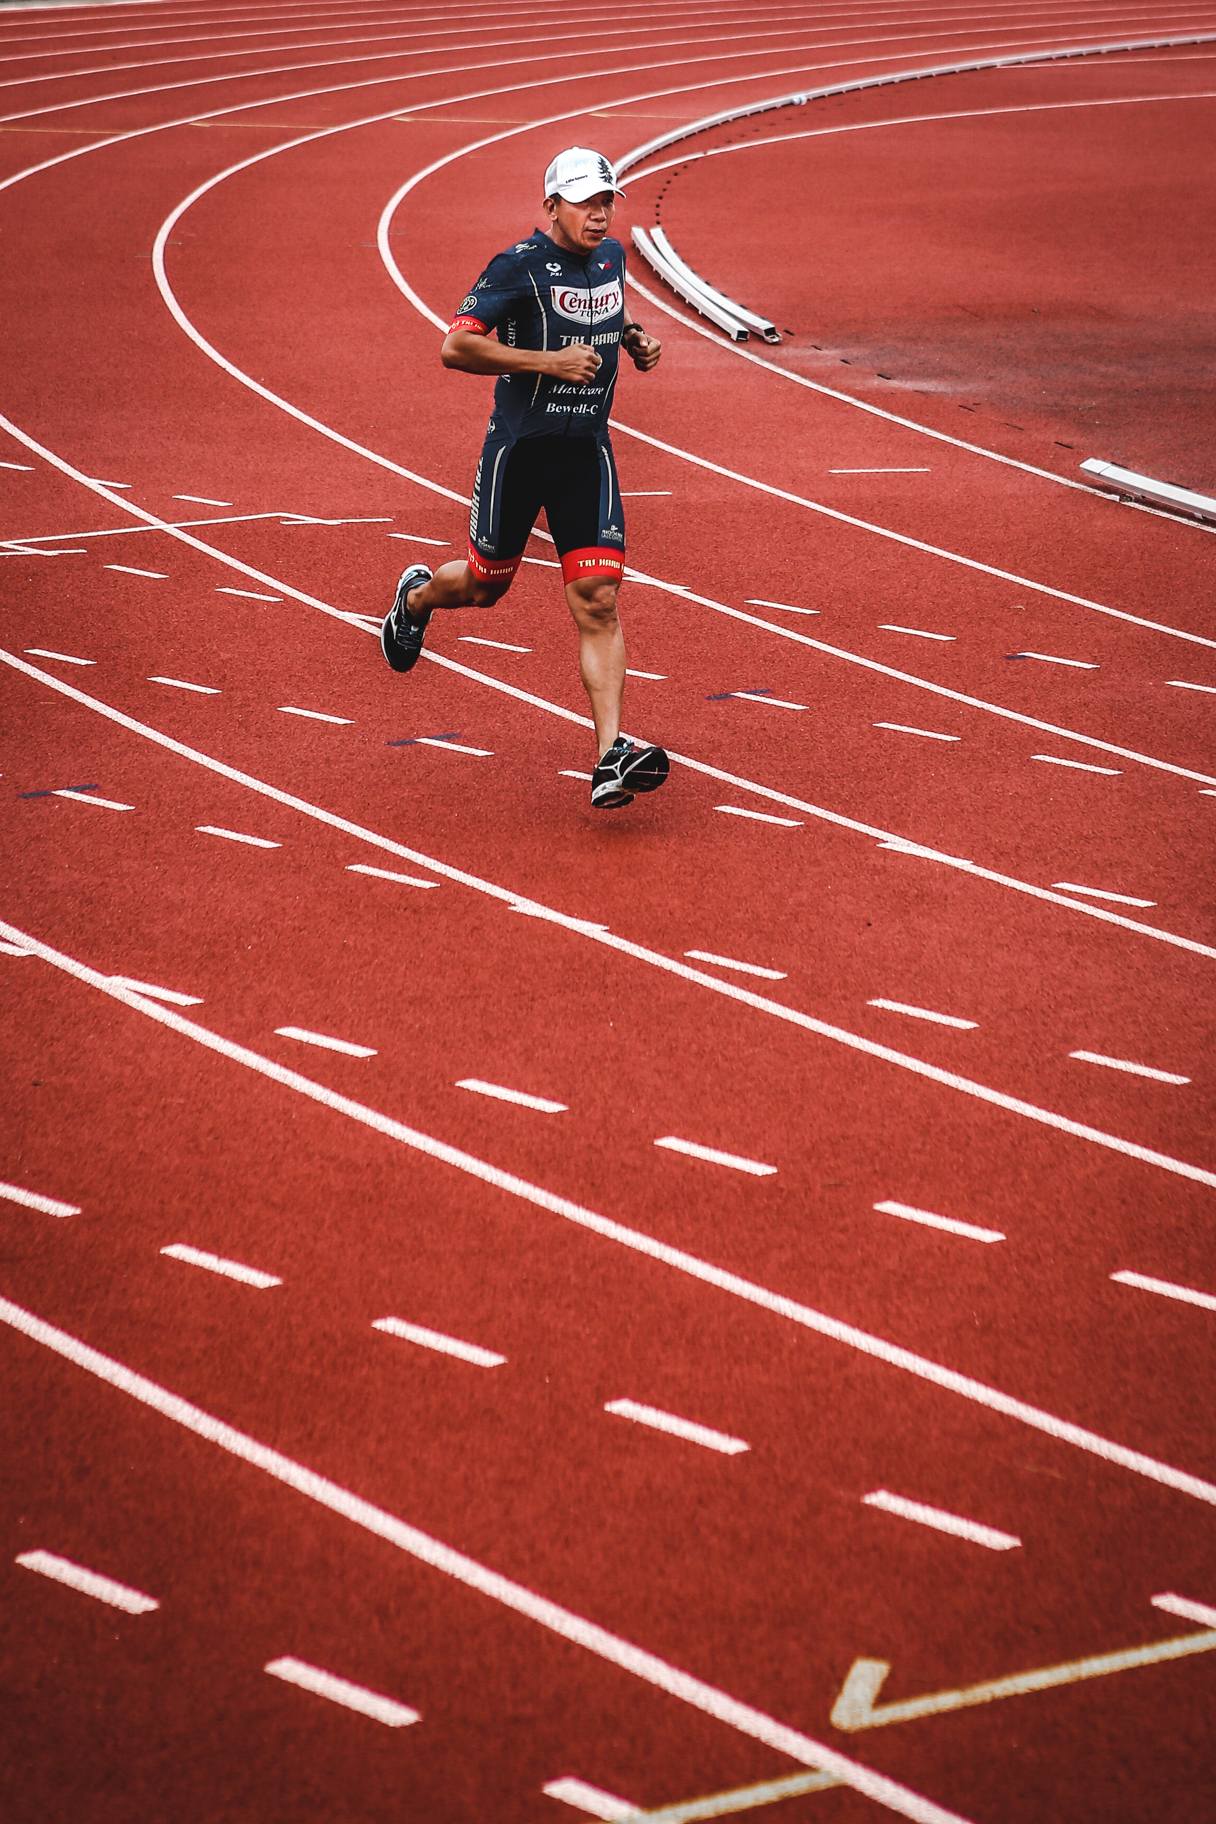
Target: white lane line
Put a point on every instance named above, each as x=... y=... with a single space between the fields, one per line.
x=340 y=1691
x=204 y=690
x=736 y=810
x=34 y=1200
x=930 y=734
x=925 y=1013
x=252 y=594
x=471 y=639
x=1048 y=658
x=714 y=1157
x=995 y=1540
x=403 y=880
x=256 y=842
x=27 y=467
x=1055 y=760
x=201 y=500
x=314 y=715
x=215 y=1263
x=879 y=471
x=541 y=1103
x=1184 y=1294
x=654 y=677
x=729 y=962
x=65 y=658
x=931 y=1221
x=107 y=804
x=435 y=1339
x=677 y=1428
x=1120 y=899
x=1182 y=1605
x=13 y=950
x=89 y=1583
x=565 y=774
x=416 y=538
x=890 y=627
x=1178 y=684
x=160 y=576
x=327 y=1044
x=754 y=601
x=751 y=696
x=483 y=753
x=592 y=1800
x=1135 y=1070
x=157 y=994
x=558 y=1621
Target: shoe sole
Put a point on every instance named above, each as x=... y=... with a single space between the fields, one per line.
x=612 y=804
x=650 y=772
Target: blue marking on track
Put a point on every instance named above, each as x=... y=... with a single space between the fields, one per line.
x=51 y=790
x=453 y=734
x=722 y=695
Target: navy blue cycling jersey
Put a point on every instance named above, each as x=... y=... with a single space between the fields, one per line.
x=538 y=296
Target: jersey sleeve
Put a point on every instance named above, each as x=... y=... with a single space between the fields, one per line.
x=495 y=297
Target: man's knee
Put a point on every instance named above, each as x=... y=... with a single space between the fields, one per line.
x=595 y=599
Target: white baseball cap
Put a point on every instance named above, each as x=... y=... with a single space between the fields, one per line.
x=578 y=174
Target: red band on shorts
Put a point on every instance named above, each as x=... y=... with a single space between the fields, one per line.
x=479 y=329
x=593 y=560
x=493 y=569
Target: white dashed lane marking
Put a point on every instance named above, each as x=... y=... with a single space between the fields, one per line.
x=160 y=576
x=252 y=594
x=540 y=1103
x=107 y=804
x=324 y=1041
x=64 y=658
x=1125 y=1064
x=34 y=1200
x=435 y=1339
x=929 y=734
x=201 y=500
x=416 y=538
x=472 y=639
x=340 y=1691
x=568 y=775
x=591 y=1800
x=677 y=1428
x=728 y=962
x=930 y=1221
x=215 y=1263
x=204 y=690
x=403 y=880
x=1181 y=1605
x=1047 y=658
x=256 y=842
x=736 y=810
x=924 y=1013
x=1184 y=1294
x=314 y=715
x=713 y=1156
x=889 y=627
x=1179 y=684
x=786 y=607
x=157 y=994
x=653 y=677
x=1081 y=766
x=456 y=747
x=944 y=1522
x=1120 y=899
x=753 y=696
x=89 y=1583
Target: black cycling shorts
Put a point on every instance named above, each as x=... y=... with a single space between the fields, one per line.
x=573 y=479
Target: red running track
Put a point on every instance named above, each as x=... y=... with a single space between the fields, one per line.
x=219 y=305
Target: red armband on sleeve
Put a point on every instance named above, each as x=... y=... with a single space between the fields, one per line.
x=479 y=329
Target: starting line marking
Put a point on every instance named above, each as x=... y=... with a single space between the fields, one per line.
x=923 y=1013
x=540 y=1103
x=340 y=1691
x=728 y=962
x=108 y=804
x=1134 y=1070
x=930 y=734
x=403 y=880
x=34 y=1200
x=205 y=690
x=314 y=715
x=215 y=1263
x=1080 y=765
x=931 y=1221
x=324 y=1041
x=1120 y=899
x=558 y=1621
x=65 y=658
x=714 y=1157
x=855 y=1708
x=677 y=1428
x=435 y=1339
x=735 y=810
x=89 y=1583
x=256 y=842
x=1184 y=1294
x=943 y=1522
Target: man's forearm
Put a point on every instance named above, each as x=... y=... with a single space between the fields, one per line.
x=475 y=354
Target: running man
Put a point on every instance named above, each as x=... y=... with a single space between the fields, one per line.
x=557 y=301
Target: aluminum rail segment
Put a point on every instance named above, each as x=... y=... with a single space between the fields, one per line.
x=1143 y=487
x=692 y=290
x=760 y=325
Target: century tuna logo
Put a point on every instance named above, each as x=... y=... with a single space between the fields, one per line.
x=584 y=306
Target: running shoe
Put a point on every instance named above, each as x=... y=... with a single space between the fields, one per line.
x=401 y=635
x=625 y=769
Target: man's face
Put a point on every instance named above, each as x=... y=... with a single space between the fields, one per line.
x=580 y=227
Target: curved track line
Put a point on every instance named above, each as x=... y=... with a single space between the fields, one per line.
x=763 y=791
x=1063 y=1430
x=852 y=1041
x=475 y=1576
